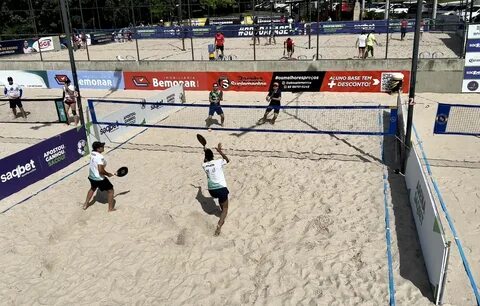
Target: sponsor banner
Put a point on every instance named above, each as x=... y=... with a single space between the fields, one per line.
x=360 y=81
x=223 y=20
x=35 y=163
x=235 y=81
x=429 y=229
x=111 y=80
x=27 y=79
x=471 y=85
x=472 y=59
x=473 y=45
x=471 y=73
x=334 y=81
x=18 y=46
x=100 y=38
x=299 y=81
x=46 y=44
x=473 y=31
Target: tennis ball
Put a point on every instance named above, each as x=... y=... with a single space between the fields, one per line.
x=209 y=130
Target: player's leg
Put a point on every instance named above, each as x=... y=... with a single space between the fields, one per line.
x=211 y=111
x=74 y=113
x=219 y=111
x=90 y=194
x=67 y=110
x=223 y=201
x=20 y=106
x=275 y=114
x=13 y=107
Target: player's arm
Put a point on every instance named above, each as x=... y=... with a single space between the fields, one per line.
x=219 y=150
x=21 y=92
x=102 y=171
x=5 y=91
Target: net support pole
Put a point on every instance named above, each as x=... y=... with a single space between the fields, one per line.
x=32 y=15
x=191 y=29
x=83 y=29
x=413 y=75
x=66 y=28
x=135 y=30
x=388 y=38
x=318 y=28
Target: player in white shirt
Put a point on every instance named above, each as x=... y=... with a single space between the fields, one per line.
x=217 y=185
x=361 y=44
x=70 y=99
x=98 y=176
x=14 y=94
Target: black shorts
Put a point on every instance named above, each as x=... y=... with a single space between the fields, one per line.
x=221 y=194
x=289 y=48
x=219 y=48
x=15 y=103
x=275 y=105
x=103 y=185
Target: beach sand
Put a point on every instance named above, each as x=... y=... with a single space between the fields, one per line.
x=438 y=45
x=306 y=223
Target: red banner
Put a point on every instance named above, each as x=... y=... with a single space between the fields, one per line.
x=236 y=81
x=361 y=81
x=331 y=81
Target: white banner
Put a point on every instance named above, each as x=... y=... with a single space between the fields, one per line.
x=24 y=78
x=46 y=44
x=429 y=229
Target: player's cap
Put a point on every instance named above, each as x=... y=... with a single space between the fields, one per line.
x=9 y=79
x=97 y=145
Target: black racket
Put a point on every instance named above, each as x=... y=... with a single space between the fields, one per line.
x=202 y=140
x=122 y=171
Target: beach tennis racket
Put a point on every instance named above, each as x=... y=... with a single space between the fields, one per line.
x=122 y=171
x=202 y=140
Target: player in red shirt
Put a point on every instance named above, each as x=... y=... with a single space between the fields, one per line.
x=219 y=43
x=403 y=28
x=289 y=44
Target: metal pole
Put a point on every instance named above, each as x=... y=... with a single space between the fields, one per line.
x=388 y=37
x=310 y=24
x=181 y=23
x=387 y=9
x=191 y=34
x=30 y=7
x=83 y=30
x=135 y=30
x=318 y=27
x=72 y=59
x=471 y=11
x=413 y=75
x=151 y=14
x=254 y=49
x=98 y=15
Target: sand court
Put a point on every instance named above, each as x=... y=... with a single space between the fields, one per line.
x=305 y=225
x=290 y=237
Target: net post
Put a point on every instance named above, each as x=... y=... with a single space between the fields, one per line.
x=66 y=28
x=413 y=77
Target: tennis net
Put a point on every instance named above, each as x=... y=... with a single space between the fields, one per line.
x=457 y=119
x=354 y=120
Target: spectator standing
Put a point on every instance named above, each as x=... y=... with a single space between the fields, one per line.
x=272 y=34
x=422 y=28
x=403 y=28
x=361 y=44
x=219 y=43
x=289 y=44
x=371 y=39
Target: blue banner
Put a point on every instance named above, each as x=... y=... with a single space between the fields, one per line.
x=473 y=45
x=281 y=29
x=472 y=73
x=111 y=80
x=35 y=163
x=19 y=46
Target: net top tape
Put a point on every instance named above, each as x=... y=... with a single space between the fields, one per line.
x=263 y=106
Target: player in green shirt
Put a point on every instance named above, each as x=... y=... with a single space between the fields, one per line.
x=215 y=96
